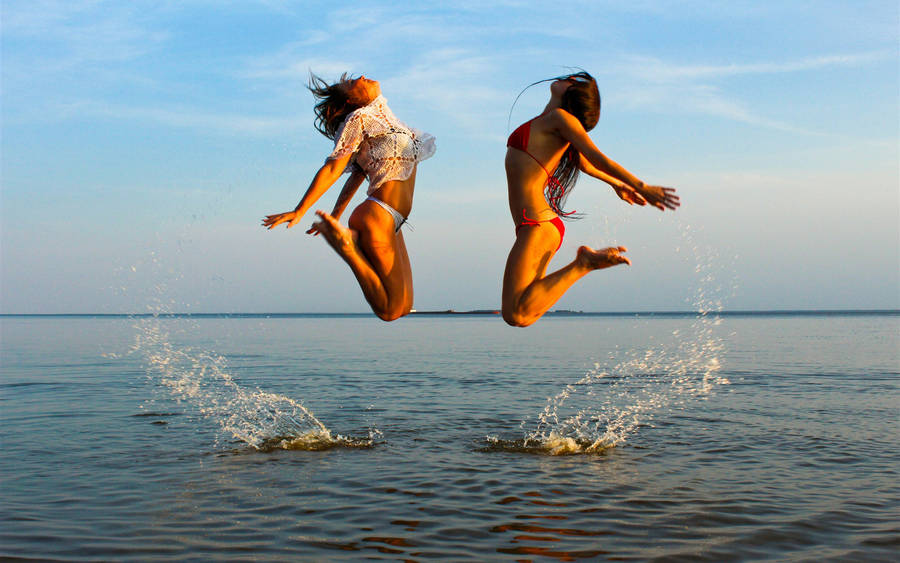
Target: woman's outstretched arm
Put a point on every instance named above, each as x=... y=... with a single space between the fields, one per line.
x=571 y=129
x=347 y=192
x=624 y=191
x=324 y=179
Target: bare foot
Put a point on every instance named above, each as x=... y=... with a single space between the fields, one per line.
x=603 y=258
x=338 y=236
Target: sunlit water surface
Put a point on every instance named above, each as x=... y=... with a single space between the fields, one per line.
x=457 y=438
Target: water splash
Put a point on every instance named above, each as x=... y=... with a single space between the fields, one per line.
x=551 y=444
x=607 y=405
x=198 y=379
x=201 y=380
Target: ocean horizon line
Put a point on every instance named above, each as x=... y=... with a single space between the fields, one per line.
x=477 y=312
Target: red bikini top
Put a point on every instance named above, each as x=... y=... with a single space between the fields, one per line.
x=519 y=138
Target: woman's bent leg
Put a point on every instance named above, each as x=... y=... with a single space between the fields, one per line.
x=377 y=257
x=386 y=253
x=527 y=292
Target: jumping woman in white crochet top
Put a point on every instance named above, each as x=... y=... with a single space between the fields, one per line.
x=369 y=142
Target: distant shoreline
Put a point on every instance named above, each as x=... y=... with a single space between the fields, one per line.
x=478 y=312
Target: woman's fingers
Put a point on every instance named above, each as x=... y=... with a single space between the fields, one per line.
x=272 y=221
x=630 y=195
x=621 y=258
x=671 y=201
x=662 y=198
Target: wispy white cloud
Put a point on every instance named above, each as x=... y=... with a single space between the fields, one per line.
x=698 y=99
x=453 y=82
x=73 y=33
x=656 y=70
x=289 y=65
x=649 y=83
x=189 y=118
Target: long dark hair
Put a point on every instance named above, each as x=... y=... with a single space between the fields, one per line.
x=582 y=100
x=333 y=105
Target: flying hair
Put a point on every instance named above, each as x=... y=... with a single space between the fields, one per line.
x=333 y=105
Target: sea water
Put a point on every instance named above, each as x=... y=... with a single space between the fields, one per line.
x=718 y=437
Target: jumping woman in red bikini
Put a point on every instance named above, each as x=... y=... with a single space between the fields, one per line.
x=544 y=157
x=369 y=141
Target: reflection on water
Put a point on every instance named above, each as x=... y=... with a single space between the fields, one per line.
x=530 y=535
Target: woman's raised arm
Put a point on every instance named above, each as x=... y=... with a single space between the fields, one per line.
x=602 y=167
x=624 y=191
x=324 y=179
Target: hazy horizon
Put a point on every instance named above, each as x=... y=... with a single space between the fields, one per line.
x=471 y=312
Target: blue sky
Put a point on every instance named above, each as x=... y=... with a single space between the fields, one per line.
x=142 y=142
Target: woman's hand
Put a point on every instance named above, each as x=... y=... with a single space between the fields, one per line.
x=629 y=195
x=660 y=197
x=289 y=217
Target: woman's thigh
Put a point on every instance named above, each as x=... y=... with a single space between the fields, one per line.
x=383 y=248
x=528 y=260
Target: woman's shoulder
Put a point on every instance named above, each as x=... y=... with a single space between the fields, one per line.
x=563 y=123
x=553 y=119
x=559 y=115
x=553 y=122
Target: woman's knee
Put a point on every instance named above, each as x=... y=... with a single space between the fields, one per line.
x=399 y=305
x=391 y=314
x=517 y=318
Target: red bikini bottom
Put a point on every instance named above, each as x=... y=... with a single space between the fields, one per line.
x=556 y=222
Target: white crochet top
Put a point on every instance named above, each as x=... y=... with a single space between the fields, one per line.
x=384 y=147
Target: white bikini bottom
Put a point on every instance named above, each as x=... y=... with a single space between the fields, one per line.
x=398 y=218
